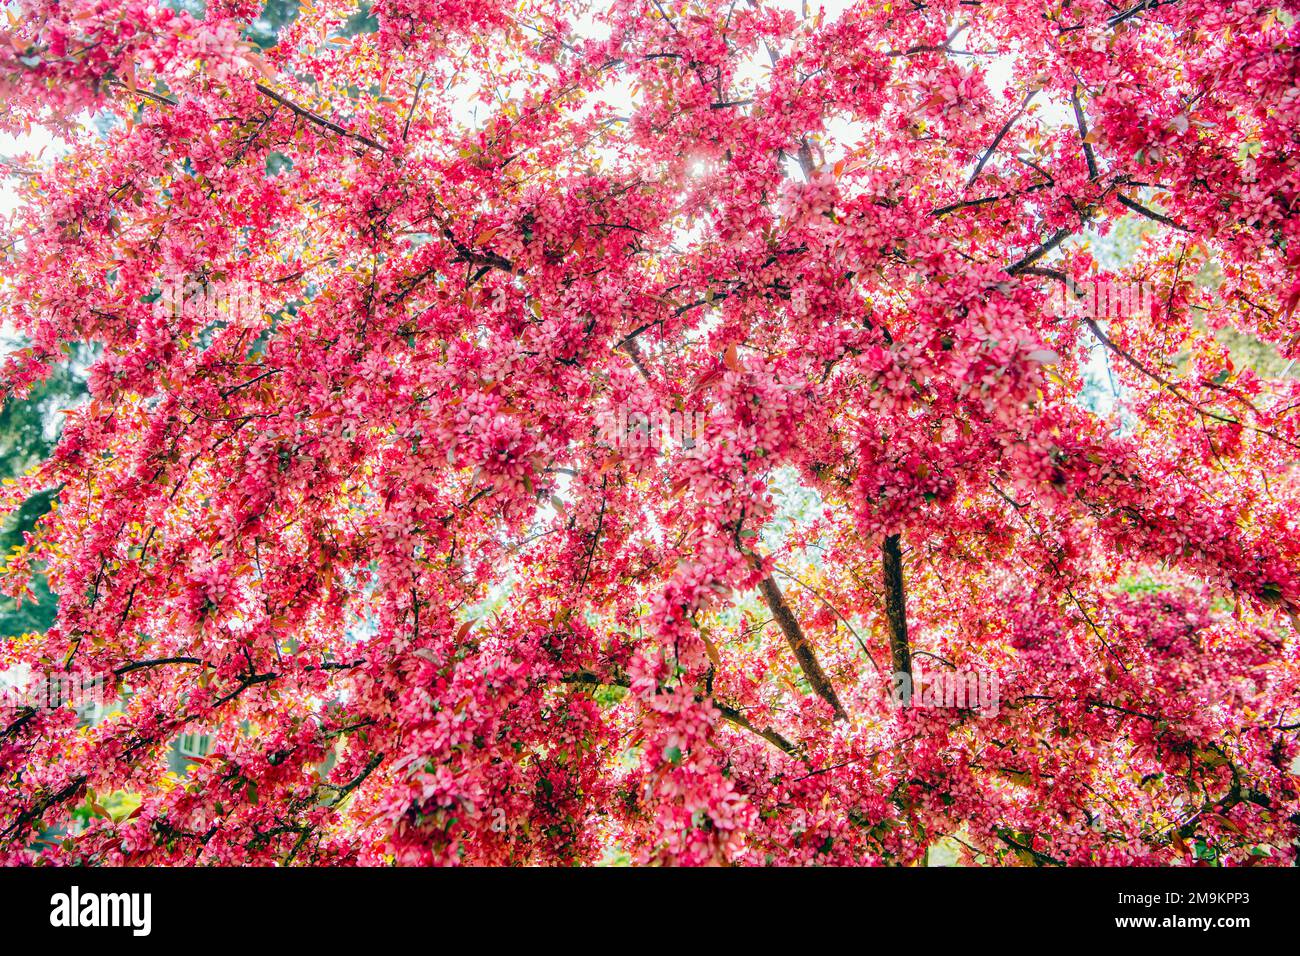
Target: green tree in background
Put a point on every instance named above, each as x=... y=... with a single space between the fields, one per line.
x=265 y=30
x=276 y=14
x=29 y=430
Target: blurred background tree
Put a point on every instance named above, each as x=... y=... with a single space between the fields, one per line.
x=29 y=430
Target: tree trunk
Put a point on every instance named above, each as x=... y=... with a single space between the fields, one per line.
x=896 y=606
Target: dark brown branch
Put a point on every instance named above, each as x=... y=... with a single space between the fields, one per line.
x=1134 y=11
x=473 y=256
x=767 y=733
x=1040 y=858
x=834 y=610
x=23 y=719
x=799 y=643
x=1083 y=133
x=942 y=211
x=318 y=119
x=74 y=787
x=1087 y=702
x=896 y=605
x=227 y=392
x=730 y=713
x=633 y=350
x=1100 y=335
x=156 y=662
x=1056 y=239
x=406 y=127
x=1151 y=214
x=345 y=789
x=152 y=97
x=997 y=140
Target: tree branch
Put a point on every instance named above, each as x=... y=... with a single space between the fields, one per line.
x=318 y=119
x=155 y=662
x=767 y=733
x=1083 y=133
x=1151 y=214
x=834 y=610
x=1099 y=334
x=799 y=643
x=729 y=713
x=1056 y=239
x=997 y=140
x=896 y=605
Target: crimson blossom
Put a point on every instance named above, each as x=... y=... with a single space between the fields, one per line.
x=544 y=432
